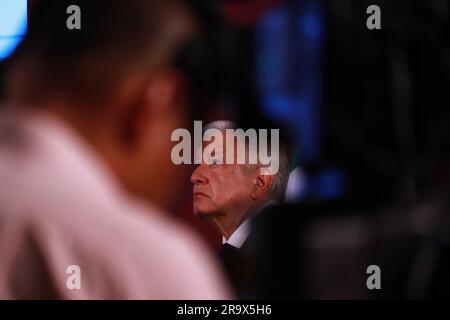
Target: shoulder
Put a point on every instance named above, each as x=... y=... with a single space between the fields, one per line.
x=130 y=252
x=178 y=254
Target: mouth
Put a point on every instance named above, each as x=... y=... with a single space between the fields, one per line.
x=200 y=194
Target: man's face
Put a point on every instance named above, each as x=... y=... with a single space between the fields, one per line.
x=220 y=188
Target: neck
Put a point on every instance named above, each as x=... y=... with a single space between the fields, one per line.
x=225 y=226
x=65 y=113
x=228 y=223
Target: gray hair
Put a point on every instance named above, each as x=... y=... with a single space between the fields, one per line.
x=278 y=187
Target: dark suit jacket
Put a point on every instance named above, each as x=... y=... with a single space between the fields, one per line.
x=322 y=250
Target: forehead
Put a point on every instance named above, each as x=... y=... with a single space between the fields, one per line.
x=222 y=147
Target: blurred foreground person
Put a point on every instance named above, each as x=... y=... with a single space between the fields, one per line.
x=89 y=114
x=230 y=196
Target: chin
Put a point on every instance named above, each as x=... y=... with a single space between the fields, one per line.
x=201 y=213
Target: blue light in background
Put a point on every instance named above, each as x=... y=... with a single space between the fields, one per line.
x=290 y=45
x=290 y=40
x=13 y=25
x=311 y=26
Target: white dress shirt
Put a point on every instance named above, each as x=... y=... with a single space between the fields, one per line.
x=239 y=236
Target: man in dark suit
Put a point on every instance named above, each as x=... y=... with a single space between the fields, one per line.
x=229 y=195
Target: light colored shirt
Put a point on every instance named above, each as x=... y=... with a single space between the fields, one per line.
x=239 y=236
x=60 y=206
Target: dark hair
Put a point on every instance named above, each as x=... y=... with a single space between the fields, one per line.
x=117 y=38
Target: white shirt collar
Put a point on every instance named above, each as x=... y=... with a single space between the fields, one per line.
x=239 y=236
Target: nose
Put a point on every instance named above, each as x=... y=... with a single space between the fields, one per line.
x=199 y=175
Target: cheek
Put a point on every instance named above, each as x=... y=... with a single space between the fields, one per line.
x=233 y=195
x=204 y=205
x=230 y=185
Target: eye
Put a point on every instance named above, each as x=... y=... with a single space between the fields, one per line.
x=214 y=160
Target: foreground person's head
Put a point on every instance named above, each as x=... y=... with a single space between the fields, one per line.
x=114 y=81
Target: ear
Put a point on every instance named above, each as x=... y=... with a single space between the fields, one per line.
x=261 y=185
x=163 y=92
x=158 y=98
